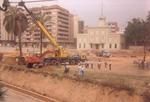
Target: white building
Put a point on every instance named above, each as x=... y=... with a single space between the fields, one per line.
x=100 y=38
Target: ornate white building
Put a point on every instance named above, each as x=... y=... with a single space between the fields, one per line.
x=101 y=37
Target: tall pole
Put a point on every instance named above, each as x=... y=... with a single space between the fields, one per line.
x=101 y=7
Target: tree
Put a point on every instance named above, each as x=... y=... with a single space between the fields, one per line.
x=138 y=33
x=134 y=32
x=44 y=19
x=15 y=22
x=146 y=33
x=4 y=5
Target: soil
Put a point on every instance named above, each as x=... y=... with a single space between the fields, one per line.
x=66 y=89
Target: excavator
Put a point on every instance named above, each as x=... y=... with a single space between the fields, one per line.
x=60 y=55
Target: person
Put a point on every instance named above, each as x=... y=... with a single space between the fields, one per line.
x=66 y=69
x=106 y=64
x=79 y=68
x=99 y=65
x=82 y=70
x=110 y=66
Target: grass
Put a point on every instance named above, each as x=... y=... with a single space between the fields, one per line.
x=2 y=93
x=130 y=83
x=146 y=96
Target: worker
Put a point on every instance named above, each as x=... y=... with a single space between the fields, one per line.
x=110 y=66
x=106 y=64
x=79 y=68
x=66 y=69
x=82 y=70
x=99 y=65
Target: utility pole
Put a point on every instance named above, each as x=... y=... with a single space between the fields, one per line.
x=101 y=7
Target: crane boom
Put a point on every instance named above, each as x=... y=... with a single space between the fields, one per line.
x=41 y=26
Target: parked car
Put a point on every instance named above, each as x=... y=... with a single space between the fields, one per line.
x=104 y=54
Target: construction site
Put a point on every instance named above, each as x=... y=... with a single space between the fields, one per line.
x=62 y=74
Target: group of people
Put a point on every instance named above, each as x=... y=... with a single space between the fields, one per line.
x=98 y=65
x=108 y=65
x=81 y=69
x=82 y=66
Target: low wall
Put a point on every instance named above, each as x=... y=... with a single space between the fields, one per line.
x=136 y=48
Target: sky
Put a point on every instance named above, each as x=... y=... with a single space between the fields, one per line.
x=120 y=11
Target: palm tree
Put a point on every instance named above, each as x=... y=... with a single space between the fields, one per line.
x=15 y=22
x=44 y=19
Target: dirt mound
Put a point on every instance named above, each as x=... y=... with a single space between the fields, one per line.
x=65 y=89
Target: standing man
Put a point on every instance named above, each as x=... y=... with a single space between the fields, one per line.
x=82 y=70
x=66 y=69
x=110 y=66
x=106 y=64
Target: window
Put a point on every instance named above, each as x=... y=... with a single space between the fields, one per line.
x=102 y=45
x=115 y=45
x=109 y=45
x=79 y=45
x=91 y=46
x=84 y=45
x=97 y=46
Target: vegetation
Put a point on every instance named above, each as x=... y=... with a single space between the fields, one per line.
x=146 y=96
x=2 y=93
x=5 y=5
x=15 y=23
x=138 y=33
x=135 y=32
x=44 y=19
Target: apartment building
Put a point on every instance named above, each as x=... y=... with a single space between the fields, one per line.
x=59 y=25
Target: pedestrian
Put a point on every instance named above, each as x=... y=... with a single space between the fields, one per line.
x=66 y=69
x=91 y=65
x=106 y=64
x=87 y=65
x=110 y=66
x=99 y=65
x=79 y=68
x=82 y=70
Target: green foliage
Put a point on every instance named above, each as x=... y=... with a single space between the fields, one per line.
x=16 y=23
x=2 y=93
x=12 y=16
x=146 y=96
x=137 y=31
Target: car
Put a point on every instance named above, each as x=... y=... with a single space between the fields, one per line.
x=104 y=54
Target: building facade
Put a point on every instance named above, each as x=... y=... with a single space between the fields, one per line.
x=102 y=37
x=59 y=25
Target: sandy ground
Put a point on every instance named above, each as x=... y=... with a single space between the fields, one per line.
x=74 y=91
x=121 y=63
x=67 y=90
x=15 y=96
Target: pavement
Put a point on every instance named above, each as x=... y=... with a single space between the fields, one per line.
x=15 y=96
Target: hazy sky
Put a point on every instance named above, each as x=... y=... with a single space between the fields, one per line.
x=120 y=11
